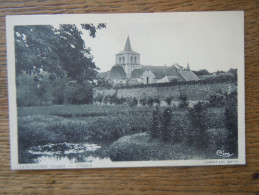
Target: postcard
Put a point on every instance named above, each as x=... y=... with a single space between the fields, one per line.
x=126 y=90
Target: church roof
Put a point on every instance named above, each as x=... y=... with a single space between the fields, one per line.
x=158 y=71
x=117 y=72
x=166 y=71
x=127 y=48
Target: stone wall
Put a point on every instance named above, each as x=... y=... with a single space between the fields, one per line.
x=195 y=92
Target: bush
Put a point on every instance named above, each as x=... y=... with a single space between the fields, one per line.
x=166 y=124
x=169 y=100
x=150 y=101
x=106 y=99
x=156 y=101
x=98 y=98
x=183 y=104
x=79 y=93
x=231 y=121
x=143 y=101
x=132 y=102
x=198 y=125
x=180 y=128
x=155 y=131
x=217 y=101
x=113 y=98
x=121 y=100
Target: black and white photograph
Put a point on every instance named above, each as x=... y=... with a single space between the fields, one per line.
x=126 y=90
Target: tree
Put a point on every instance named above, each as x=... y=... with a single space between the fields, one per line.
x=231 y=121
x=199 y=124
x=201 y=72
x=45 y=51
x=183 y=101
x=156 y=126
x=166 y=124
x=60 y=51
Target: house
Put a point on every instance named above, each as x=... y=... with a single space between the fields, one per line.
x=128 y=70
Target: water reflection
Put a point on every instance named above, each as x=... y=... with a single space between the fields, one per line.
x=62 y=153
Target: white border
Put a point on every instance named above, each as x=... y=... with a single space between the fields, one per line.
x=11 y=21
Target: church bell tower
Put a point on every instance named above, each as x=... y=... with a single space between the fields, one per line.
x=128 y=59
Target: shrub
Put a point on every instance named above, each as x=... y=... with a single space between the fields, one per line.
x=166 y=123
x=150 y=101
x=98 y=98
x=120 y=100
x=216 y=101
x=180 y=128
x=143 y=101
x=132 y=101
x=231 y=121
x=156 y=101
x=135 y=101
x=113 y=98
x=155 y=130
x=169 y=100
x=198 y=125
x=183 y=101
x=79 y=93
x=106 y=99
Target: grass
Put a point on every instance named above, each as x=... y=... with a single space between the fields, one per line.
x=106 y=124
x=77 y=123
x=77 y=110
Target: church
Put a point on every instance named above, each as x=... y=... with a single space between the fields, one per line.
x=128 y=70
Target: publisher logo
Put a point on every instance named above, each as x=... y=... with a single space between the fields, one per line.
x=222 y=153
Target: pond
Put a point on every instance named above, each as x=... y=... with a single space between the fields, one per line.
x=66 y=153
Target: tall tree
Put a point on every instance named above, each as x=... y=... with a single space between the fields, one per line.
x=60 y=51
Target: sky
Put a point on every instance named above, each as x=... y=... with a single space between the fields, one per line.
x=206 y=40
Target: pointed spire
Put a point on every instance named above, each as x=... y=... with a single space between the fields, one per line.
x=127 y=45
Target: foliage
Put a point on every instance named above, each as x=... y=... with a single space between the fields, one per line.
x=113 y=98
x=60 y=66
x=217 y=100
x=155 y=131
x=31 y=93
x=78 y=93
x=201 y=72
x=99 y=98
x=58 y=90
x=233 y=72
x=60 y=51
x=199 y=125
x=209 y=79
x=121 y=100
x=143 y=101
x=150 y=101
x=106 y=99
x=87 y=123
x=180 y=128
x=135 y=102
x=51 y=125
x=166 y=122
x=169 y=100
x=231 y=121
x=156 y=101
x=183 y=101
x=132 y=101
